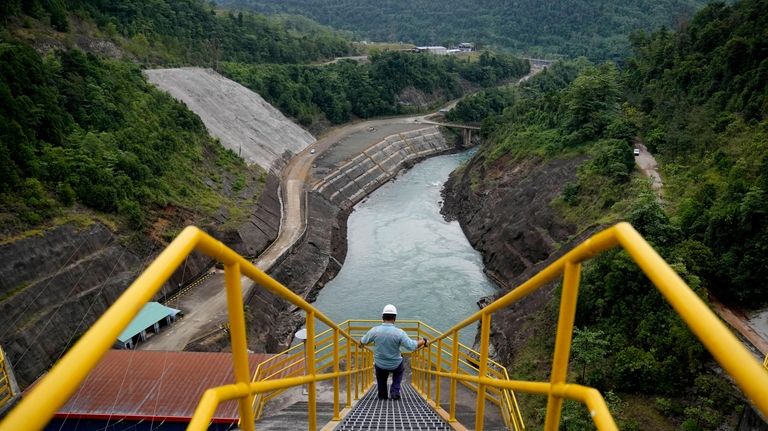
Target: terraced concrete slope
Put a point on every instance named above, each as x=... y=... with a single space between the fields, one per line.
x=242 y=120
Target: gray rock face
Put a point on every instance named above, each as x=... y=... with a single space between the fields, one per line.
x=55 y=285
x=504 y=210
x=242 y=120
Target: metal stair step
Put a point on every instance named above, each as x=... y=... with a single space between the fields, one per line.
x=411 y=412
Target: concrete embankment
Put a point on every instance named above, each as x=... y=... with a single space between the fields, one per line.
x=357 y=178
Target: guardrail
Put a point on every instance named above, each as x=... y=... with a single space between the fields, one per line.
x=749 y=375
x=470 y=368
x=290 y=363
x=37 y=408
x=6 y=388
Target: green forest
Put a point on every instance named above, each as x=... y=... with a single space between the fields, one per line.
x=698 y=98
x=596 y=29
x=184 y=32
x=340 y=91
x=77 y=129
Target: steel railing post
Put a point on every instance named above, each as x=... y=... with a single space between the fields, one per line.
x=336 y=371
x=310 y=355
x=239 y=342
x=571 y=274
x=454 y=371
x=349 y=367
x=485 y=337
x=357 y=371
x=439 y=369
x=427 y=369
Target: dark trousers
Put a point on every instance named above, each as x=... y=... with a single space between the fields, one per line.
x=381 y=379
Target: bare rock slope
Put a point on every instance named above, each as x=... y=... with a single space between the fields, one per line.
x=242 y=120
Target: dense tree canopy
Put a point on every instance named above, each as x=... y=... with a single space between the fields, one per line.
x=190 y=31
x=347 y=88
x=597 y=29
x=704 y=91
x=77 y=129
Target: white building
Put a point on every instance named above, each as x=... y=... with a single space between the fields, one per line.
x=437 y=50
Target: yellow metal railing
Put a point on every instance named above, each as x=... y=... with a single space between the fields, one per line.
x=293 y=363
x=6 y=389
x=725 y=348
x=765 y=362
x=290 y=364
x=446 y=357
x=37 y=408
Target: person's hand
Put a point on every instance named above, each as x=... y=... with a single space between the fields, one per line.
x=425 y=342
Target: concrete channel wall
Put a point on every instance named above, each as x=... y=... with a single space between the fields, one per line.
x=378 y=164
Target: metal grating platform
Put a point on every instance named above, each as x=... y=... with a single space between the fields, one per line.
x=411 y=412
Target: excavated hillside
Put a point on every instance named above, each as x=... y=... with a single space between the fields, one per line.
x=242 y=120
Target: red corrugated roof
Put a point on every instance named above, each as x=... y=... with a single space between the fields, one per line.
x=132 y=384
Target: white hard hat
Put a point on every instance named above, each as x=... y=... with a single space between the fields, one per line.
x=301 y=334
x=389 y=309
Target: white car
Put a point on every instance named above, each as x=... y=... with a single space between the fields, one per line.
x=636 y=151
x=312 y=151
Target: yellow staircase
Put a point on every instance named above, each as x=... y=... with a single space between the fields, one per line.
x=336 y=355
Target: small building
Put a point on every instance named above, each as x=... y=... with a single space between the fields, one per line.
x=152 y=316
x=466 y=47
x=437 y=50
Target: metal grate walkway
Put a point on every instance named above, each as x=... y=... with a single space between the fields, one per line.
x=410 y=412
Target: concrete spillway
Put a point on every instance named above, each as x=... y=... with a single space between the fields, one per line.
x=378 y=164
x=242 y=120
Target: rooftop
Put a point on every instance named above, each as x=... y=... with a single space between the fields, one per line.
x=151 y=313
x=153 y=385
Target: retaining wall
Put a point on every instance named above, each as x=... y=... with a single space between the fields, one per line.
x=378 y=164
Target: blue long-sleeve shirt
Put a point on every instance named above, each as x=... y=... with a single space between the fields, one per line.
x=388 y=339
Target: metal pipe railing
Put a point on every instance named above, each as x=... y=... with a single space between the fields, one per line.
x=724 y=347
x=37 y=407
x=460 y=364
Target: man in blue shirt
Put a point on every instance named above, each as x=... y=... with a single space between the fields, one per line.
x=388 y=340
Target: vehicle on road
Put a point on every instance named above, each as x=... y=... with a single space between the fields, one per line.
x=636 y=152
x=312 y=151
x=371 y=129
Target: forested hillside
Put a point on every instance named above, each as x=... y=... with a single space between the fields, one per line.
x=187 y=32
x=339 y=91
x=80 y=130
x=596 y=29
x=697 y=98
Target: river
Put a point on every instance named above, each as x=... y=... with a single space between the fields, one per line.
x=401 y=251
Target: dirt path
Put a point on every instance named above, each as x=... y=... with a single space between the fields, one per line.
x=648 y=165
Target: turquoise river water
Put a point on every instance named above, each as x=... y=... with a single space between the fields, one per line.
x=401 y=251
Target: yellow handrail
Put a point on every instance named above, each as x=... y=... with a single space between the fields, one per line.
x=724 y=347
x=36 y=409
x=6 y=389
x=445 y=358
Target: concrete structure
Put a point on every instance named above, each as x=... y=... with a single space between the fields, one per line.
x=378 y=164
x=242 y=120
x=437 y=50
x=153 y=315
